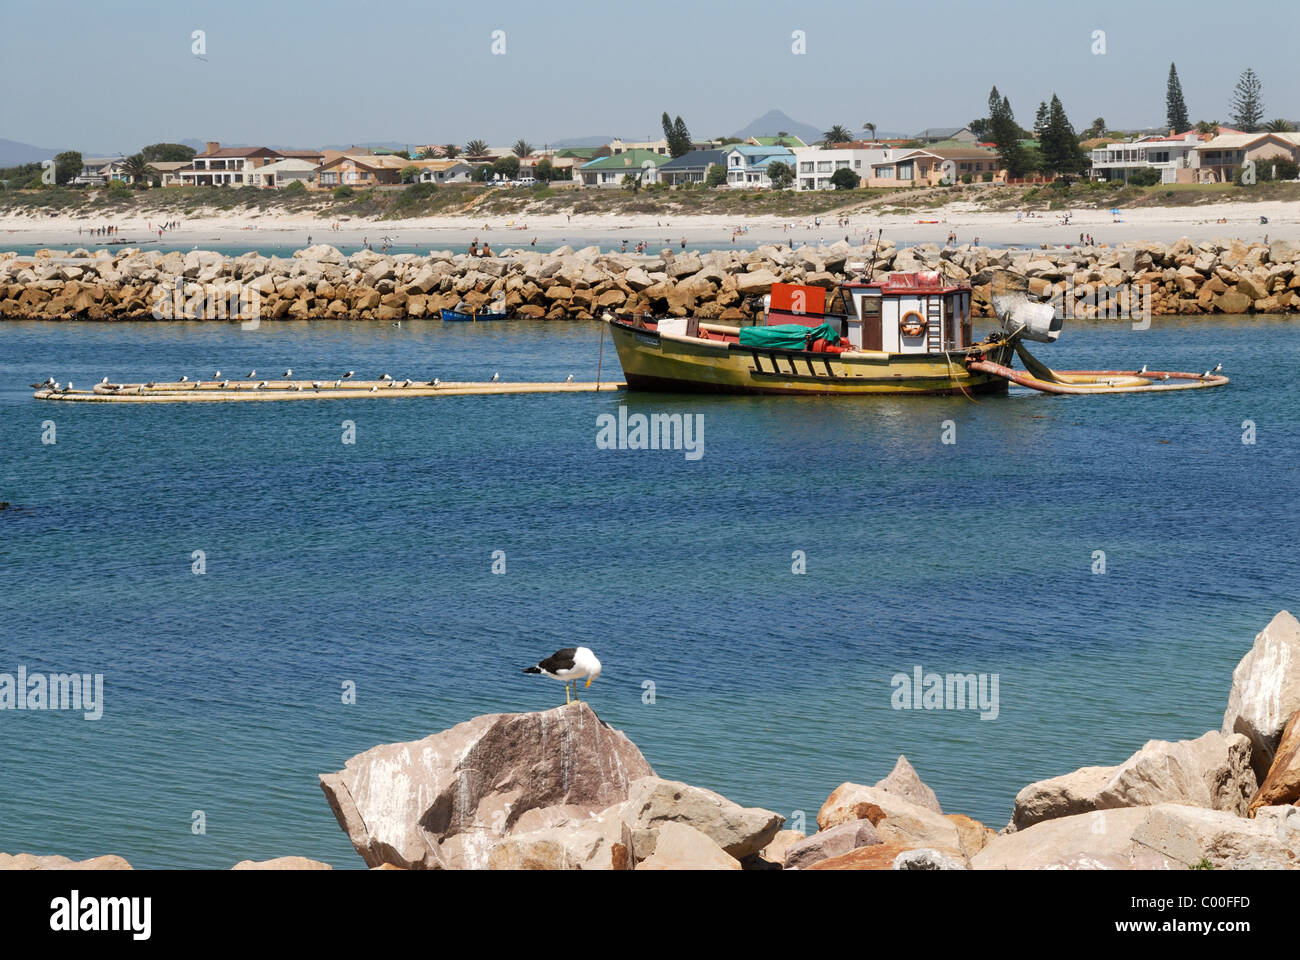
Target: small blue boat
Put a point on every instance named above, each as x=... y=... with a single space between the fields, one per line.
x=457 y=316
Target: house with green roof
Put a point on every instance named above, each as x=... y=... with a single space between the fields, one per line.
x=610 y=171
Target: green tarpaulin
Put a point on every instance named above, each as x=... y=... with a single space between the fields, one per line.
x=787 y=336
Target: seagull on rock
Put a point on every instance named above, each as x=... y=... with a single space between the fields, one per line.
x=570 y=665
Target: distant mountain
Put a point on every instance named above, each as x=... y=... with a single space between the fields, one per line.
x=774 y=122
x=12 y=153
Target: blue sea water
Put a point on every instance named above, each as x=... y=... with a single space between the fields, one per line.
x=371 y=564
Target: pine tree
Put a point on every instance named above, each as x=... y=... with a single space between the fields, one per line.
x=1175 y=108
x=1006 y=134
x=1040 y=119
x=682 y=136
x=1247 y=103
x=1059 y=144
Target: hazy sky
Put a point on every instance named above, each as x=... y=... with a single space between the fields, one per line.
x=112 y=77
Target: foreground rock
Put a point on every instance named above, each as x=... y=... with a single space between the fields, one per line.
x=282 y=863
x=904 y=781
x=1266 y=690
x=896 y=819
x=835 y=842
x=1213 y=771
x=444 y=801
x=28 y=861
x=682 y=847
x=739 y=831
x=1164 y=837
x=1282 y=785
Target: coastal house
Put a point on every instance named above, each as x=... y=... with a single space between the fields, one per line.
x=283 y=172
x=443 y=171
x=747 y=165
x=1220 y=160
x=971 y=161
x=356 y=170
x=814 y=166
x=691 y=167
x=219 y=166
x=98 y=171
x=1175 y=158
x=609 y=171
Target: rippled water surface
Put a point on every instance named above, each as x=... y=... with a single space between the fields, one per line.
x=372 y=563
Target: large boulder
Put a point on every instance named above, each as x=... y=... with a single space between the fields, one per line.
x=904 y=782
x=1212 y=771
x=1191 y=836
x=1282 y=785
x=446 y=800
x=896 y=819
x=835 y=842
x=1266 y=690
x=652 y=802
x=1097 y=840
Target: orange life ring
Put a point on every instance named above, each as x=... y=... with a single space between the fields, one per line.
x=913 y=328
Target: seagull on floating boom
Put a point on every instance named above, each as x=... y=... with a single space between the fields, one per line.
x=496 y=377
x=570 y=665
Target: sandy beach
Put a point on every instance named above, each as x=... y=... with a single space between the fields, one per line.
x=290 y=230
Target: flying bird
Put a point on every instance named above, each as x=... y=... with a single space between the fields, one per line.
x=1143 y=370
x=348 y=375
x=252 y=374
x=570 y=665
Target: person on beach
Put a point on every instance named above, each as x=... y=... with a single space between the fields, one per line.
x=535 y=243
x=473 y=247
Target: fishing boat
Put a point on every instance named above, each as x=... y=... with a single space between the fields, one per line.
x=466 y=314
x=909 y=333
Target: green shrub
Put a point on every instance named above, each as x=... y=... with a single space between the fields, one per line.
x=344 y=193
x=1144 y=178
x=296 y=187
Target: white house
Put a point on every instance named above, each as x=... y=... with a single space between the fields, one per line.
x=97 y=171
x=281 y=173
x=1168 y=155
x=814 y=166
x=443 y=171
x=747 y=165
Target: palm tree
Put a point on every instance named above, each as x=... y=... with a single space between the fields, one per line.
x=1207 y=126
x=837 y=134
x=476 y=148
x=522 y=148
x=872 y=128
x=138 y=169
x=1279 y=126
x=428 y=153
x=451 y=150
